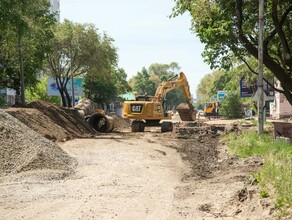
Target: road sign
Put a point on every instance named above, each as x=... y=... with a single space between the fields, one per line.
x=256 y=97
x=53 y=88
x=221 y=95
x=247 y=90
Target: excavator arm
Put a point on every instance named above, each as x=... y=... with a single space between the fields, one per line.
x=181 y=82
x=186 y=111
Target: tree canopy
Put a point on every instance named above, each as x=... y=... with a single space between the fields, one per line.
x=78 y=50
x=40 y=92
x=25 y=30
x=143 y=84
x=230 y=106
x=103 y=87
x=147 y=81
x=230 y=29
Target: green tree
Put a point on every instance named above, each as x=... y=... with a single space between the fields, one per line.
x=174 y=98
x=104 y=80
x=100 y=88
x=163 y=72
x=119 y=76
x=79 y=49
x=143 y=84
x=40 y=92
x=230 y=29
x=206 y=88
x=231 y=106
x=147 y=81
x=103 y=88
x=25 y=31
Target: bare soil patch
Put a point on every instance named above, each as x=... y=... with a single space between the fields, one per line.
x=185 y=174
x=53 y=122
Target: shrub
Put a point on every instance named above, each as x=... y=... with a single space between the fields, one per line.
x=231 y=106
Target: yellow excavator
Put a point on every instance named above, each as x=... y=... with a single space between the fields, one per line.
x=149 y=110
x=211 y=108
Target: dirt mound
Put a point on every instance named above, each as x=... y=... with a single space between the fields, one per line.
x=54 y=123
x=22 y=149
x=120 y=123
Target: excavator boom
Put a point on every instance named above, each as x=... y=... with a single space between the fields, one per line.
x=186 y=111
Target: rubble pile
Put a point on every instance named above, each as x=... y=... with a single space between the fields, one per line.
x=190 y=130
x=120 y=123
x=22 y=149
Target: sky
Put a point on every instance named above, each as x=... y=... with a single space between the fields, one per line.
x=143 y=34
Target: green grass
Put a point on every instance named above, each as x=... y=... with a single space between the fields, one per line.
x=251 y=144
x=275 y=176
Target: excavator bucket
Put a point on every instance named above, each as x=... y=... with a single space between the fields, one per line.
x=185 y=113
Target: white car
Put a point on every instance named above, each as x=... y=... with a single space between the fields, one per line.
x=201 y=113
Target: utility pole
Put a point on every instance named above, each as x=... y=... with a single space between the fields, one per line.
x=260 y=69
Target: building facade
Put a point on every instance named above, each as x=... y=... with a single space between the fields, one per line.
x=280 y=108
x=55 y=8
x=8 y=96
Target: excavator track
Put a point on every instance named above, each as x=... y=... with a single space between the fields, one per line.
x=185 y=113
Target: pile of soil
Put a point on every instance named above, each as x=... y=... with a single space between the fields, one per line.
x=23 y=149
x=53 y=122
x=120 y=123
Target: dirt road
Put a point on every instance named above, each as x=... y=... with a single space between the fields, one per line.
x=136 y=176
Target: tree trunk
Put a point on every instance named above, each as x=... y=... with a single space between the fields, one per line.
x=68 y=99
x=64 y=104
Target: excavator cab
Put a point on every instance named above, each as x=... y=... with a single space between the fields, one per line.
x=144 y=98
x=211 y=108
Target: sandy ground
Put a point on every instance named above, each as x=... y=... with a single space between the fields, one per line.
x=184 y=174
x=116 y=178
x=135 y=176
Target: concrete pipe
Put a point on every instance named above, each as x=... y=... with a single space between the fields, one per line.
x=101 y=122
x=85 y=107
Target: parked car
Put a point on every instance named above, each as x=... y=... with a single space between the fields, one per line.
x=201 y=113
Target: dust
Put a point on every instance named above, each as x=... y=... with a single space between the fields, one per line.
x=22 y=149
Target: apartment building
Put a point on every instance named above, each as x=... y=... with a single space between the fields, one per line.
x=55 y=8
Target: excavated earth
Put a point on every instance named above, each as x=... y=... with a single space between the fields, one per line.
x=53 y=166
x=53 y=122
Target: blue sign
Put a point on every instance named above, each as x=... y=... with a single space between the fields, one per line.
x=221 y=95
x=53 y=88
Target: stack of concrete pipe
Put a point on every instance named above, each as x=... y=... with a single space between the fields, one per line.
x=94 y=117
